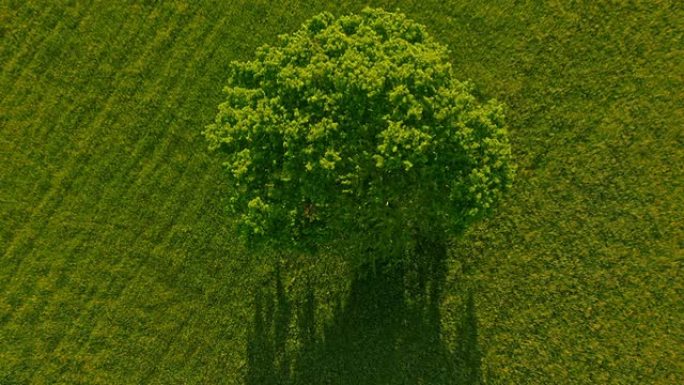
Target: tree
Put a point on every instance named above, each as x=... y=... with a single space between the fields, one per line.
x=353 y=133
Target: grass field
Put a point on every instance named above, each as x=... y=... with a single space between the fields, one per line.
x=116 y=265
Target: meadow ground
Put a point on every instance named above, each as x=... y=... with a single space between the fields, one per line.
x=116 y=265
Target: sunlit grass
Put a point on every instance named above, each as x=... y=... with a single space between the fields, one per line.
x=116 y=265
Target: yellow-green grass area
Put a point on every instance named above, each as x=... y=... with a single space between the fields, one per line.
x=117 y=265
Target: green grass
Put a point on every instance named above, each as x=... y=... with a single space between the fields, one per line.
x=116 y=265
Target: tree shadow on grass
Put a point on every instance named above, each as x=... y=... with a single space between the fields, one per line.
x=387 y=331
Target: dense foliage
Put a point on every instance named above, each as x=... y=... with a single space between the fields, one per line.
x=357 y=129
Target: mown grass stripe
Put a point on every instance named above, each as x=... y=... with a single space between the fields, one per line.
x=113 y=288
x=24 y=238
x=121 y=42
x=197 y=61
x=171 y=275
x=148 y=141
x=108 y=99
x=123 y=171
x=112 y=85
x=170 y=136
x=83 y=40
x=134 y=282
x=171 y=220
x=74 y=161
x=17 y=20
x=33 y=38
x=54 y=115
x=41 y=119
x=188 y=208
x=71 y=164
x=15 y=315
x=22 y=65
x=136 y=153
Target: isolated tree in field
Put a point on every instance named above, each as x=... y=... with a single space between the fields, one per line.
x=353 y=133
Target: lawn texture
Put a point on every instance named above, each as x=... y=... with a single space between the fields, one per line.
x=117 y=265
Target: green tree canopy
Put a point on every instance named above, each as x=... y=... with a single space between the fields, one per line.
x=354 y=133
